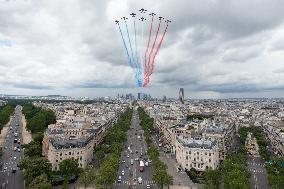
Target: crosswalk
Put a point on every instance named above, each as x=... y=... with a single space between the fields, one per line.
x=9 y=166
x=255 y=171
x=127 y=182
x=256 y=164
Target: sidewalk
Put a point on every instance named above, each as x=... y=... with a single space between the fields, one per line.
x=4 y=131
x=26 y=135
x=180 y=179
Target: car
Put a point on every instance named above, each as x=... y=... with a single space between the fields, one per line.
x=119 y=179
x=15 y=148
x=14 y=170
x=15 y=157
x=19 y=150
x=5 y=168
x=122 y=172
x=123 y=161
x=148 y=186
x=136 y=159
x=126 y=165
x=139 y=180
x=131 y=161
x=5 y=147
x=136 y=151
x=127 y=156
x=149 y=161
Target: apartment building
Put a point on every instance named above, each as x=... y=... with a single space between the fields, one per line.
x=73 y=139
x=197 y=153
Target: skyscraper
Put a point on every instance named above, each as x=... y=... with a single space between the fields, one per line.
x=181 y=95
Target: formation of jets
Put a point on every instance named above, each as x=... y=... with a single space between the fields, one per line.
x=142 y=18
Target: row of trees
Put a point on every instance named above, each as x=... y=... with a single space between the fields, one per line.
x=261 y=141
x=160 y=175
x=5 y=113
x=38 y=120
x=108 y=155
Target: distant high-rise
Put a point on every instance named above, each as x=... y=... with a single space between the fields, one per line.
x=139 y=96
x=164 y=99
x=181 y=95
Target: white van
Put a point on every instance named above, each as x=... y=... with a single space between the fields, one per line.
x=131 y=161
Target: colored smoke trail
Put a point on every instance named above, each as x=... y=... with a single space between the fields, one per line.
x=157 y=50
x=125 y=47
x=133 y=60
x=141 y=45
x=137 y=61
x=145 y=56
x=154 y=43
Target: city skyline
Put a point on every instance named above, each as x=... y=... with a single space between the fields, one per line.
x=214 y=49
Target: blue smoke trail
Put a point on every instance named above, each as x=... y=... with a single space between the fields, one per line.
x=124 y=44
x=135 y=64
x=137 y=61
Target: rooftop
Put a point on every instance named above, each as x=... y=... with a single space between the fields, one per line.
x=199 y=143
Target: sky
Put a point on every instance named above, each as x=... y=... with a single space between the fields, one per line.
x=213 y=48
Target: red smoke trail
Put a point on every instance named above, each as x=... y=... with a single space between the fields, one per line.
x=149 y=39
x=154 y=43
x=153 y=60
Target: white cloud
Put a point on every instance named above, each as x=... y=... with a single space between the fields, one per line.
x=211 y=47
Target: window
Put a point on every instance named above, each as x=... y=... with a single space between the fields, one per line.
x=186 y=157
x=206 y=153
x=189 y=152
x=60 y=154
x=209 y=154
x=69 y=153
x=197 y=153
x=209 y=160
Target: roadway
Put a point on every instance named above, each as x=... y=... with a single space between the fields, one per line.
x=12 y=156
x=133 y=148
x=258 y=179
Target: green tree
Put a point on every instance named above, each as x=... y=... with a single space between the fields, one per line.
x=40 y=182
x=212 y=178
x=32 y=149
x=34 y=167
x=69 y=167
x=162 y=178
x=100 y=155
x=87 y=176
x=38 y=137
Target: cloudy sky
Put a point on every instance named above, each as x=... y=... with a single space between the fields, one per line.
x=213 y=48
